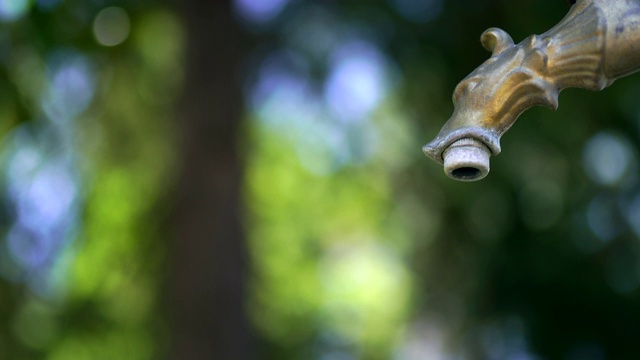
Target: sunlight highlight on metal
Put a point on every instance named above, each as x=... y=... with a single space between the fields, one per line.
x=111 y=26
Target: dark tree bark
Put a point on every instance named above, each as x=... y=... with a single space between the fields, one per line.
x=209 y=257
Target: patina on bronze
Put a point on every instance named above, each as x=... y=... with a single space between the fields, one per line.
x=597 y=42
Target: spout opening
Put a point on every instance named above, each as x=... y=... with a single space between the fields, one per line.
x=466 y=173
x=466 y=160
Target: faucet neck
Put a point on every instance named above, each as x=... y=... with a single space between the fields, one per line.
x=576 y=49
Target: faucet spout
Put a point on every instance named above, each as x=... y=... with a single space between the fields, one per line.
x=466 y=159
x=597 y=42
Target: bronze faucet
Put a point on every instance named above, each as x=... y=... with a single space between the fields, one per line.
x=597 y=42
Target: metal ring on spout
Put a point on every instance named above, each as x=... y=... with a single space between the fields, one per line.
x=466 y=159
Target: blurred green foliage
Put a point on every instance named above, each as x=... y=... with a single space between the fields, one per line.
x=99 y=297
x=328 y=253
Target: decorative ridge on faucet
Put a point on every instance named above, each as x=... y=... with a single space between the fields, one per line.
x=597 y=42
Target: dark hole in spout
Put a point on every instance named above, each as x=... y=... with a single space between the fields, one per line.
x=466 y=173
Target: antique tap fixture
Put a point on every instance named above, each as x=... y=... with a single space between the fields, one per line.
x=597 y=42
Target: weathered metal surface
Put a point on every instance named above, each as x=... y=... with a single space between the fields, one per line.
x=597 y=42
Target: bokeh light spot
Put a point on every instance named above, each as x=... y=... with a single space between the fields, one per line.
x=608 y=158
x=45 y=201
x=282 y=89
x=71 y=87
x=357 y=281
x=111 y=26
x=423 y=340
x=260 y=11
x=11 y=10
x=357 y=81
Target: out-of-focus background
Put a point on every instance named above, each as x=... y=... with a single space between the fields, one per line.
x=243 y=179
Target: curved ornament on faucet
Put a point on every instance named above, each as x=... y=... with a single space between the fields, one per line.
x=597 y=42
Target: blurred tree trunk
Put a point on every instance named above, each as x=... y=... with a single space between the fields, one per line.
x=209 y=259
